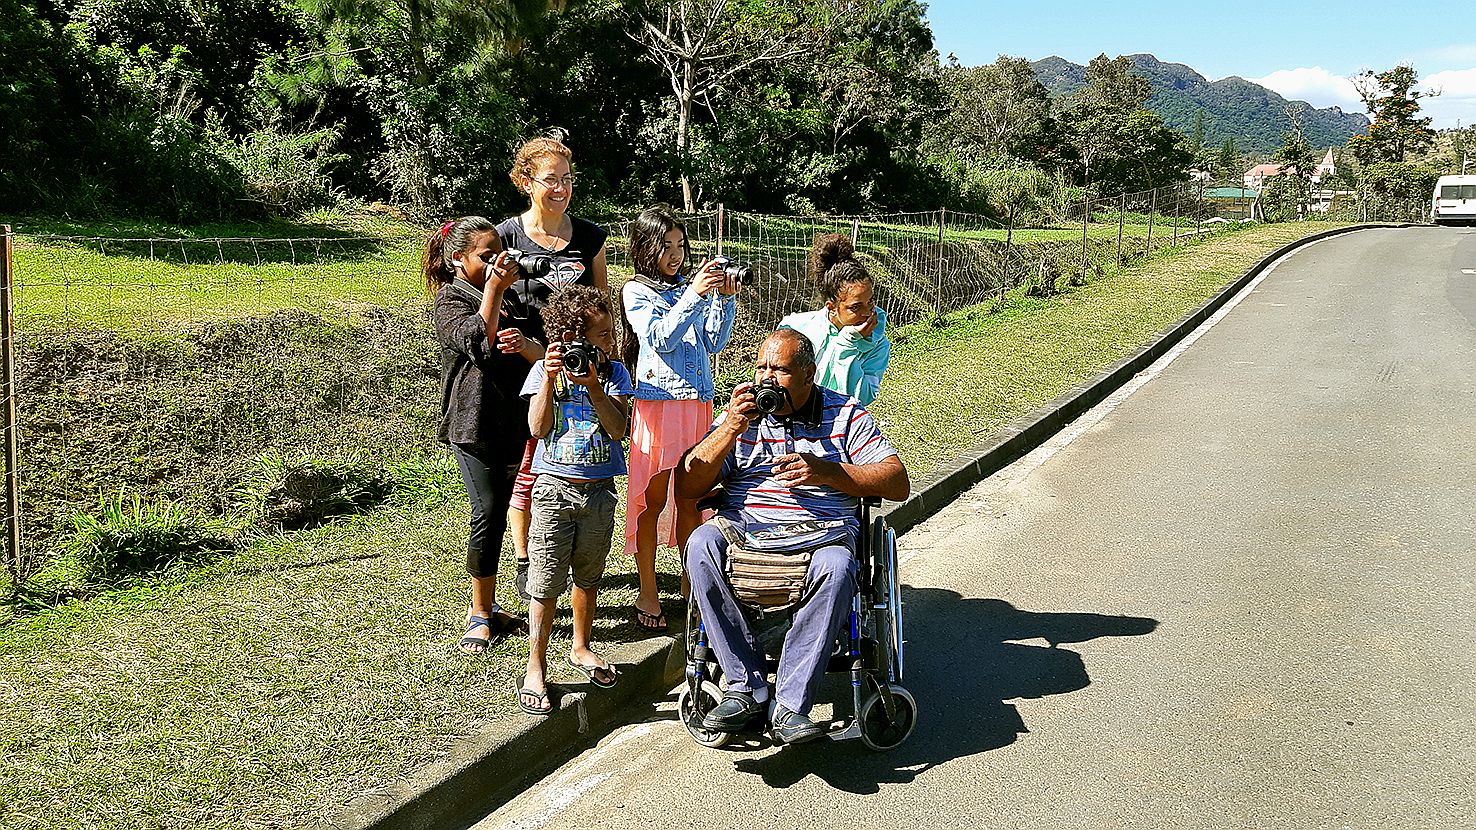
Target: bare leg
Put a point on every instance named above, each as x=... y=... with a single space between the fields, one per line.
x=540 y=628
x=517 y=522
x=649 y=598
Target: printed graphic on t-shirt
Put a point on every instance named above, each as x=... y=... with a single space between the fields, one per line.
x=564 y=273
x=576 y=436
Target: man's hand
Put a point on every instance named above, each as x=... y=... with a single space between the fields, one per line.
x=741 y=408
x=799 y=468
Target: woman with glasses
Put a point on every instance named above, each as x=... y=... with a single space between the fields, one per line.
x=850 y=332
x=575 y=249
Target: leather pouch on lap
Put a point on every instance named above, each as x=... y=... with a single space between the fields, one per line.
x=768 y=580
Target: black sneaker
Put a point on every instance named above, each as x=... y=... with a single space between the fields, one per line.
x=794 y=728
x=736 y=711
x=520 y=581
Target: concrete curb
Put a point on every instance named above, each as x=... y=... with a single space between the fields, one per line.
x=495 y=765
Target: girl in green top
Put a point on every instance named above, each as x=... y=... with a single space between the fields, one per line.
x=849 y=333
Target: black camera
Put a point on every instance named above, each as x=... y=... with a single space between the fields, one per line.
x=534 y=265
x=740 y=271
x=769 y=397
x=578 y=355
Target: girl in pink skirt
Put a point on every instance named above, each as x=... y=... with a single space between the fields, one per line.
x=672 y=328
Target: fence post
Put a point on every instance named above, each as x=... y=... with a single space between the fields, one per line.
x=1199 y=210
x=1086 y=216
x=1152 y=209
x=855 y=231
x=1178 y=210
x=12 y=472
x=720 y=217
x=1121 y=212
x=938 y=296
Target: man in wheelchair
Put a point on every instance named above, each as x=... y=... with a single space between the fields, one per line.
x=791 y=486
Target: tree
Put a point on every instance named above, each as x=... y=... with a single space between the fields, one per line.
x=702 y=45
x=1016 y=191
x=1393 y=105
x=1298 y=162
x=1121 y=144
x=1227 y=163
x=1000 y=109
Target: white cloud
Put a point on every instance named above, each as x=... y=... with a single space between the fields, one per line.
x=1457 y=99
x=1315 y=85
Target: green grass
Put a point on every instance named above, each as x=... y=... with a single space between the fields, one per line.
x=267 y=688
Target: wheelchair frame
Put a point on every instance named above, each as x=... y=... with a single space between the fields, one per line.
x=884 y=714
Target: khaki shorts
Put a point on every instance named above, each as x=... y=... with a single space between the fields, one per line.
x=570 y=529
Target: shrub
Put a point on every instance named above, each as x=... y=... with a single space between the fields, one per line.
x=130 y=536
x=286 y=172
x=301 y=492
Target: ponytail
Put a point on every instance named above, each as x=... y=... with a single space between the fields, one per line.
x=833 y=264
x=442 y=246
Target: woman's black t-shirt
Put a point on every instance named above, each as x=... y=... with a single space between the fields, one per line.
x=572 y=265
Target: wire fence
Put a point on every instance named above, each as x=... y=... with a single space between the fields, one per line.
x=175 y=370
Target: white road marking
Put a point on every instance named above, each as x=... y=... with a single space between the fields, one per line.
x=579 y=777
x=1468 y=270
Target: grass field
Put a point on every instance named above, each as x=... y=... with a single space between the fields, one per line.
x=267 y=688
x=149 y=277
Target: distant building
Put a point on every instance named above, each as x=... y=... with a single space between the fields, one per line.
x=1257 y=176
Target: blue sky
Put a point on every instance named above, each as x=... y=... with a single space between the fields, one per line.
x=1303 y=50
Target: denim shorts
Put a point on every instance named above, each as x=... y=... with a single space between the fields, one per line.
x=570 y=529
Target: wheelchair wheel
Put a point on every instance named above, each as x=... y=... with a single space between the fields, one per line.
x=692 y=711
x=887 y=603
x=883 y=733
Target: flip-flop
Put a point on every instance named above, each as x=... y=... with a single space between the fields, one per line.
x=657 y=622
x=507 y=625
x=481 y=643
x=589 y=672
x=520 y=689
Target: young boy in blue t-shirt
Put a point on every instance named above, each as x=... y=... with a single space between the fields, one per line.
x=580 y=421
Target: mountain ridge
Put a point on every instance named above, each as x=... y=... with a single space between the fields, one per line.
x=1233 y=107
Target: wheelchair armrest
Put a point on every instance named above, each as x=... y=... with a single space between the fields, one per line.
x=713 y=500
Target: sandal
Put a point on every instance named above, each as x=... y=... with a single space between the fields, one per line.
x=522 y=690
x=475 y=645
x=651 y=622
x=591 y=672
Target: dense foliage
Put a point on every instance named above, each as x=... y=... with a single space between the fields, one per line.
x=212 y=108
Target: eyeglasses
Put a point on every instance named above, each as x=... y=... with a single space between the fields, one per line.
x=552 y=182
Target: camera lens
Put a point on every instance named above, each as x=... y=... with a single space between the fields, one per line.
x=576 y=359
x=769 y=397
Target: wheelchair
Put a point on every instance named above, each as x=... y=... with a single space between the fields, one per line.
x=869 y=647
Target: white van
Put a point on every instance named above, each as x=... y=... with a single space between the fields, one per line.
x=1455 y=200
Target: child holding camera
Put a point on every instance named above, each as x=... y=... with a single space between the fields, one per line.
x=484 y=360
x=578 y=412
x=850 y=333
x=672 y=328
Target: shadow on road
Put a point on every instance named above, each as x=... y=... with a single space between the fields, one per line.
x=962 y=666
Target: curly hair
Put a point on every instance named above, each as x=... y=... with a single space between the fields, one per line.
x=833 y=265
x=525 y=161
x=572 y=309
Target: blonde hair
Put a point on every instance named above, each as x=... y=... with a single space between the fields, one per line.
x=528 y=156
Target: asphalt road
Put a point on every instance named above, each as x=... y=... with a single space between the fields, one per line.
x=1241 y=594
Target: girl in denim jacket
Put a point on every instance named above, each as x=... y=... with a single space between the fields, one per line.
x=672 y=328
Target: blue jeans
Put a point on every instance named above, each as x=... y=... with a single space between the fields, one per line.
x=823 y=605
